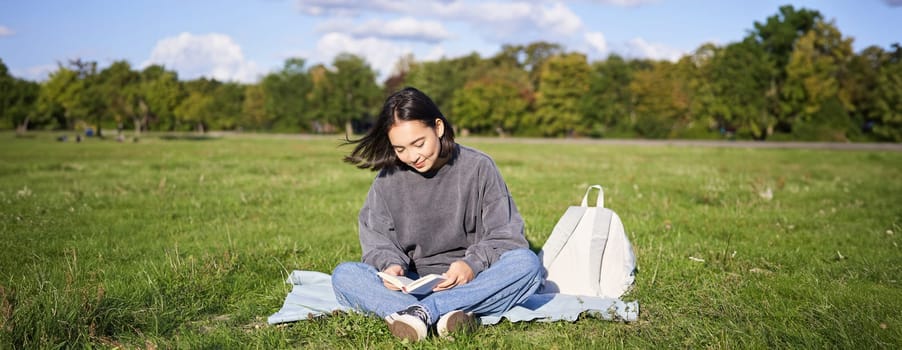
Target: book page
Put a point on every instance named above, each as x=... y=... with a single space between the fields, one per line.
x=398 y=281
x=423 y=285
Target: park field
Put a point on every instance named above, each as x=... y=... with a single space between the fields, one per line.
x=185 y=242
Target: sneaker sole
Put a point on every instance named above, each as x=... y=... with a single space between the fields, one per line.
x=456 y=321
x=404 y=331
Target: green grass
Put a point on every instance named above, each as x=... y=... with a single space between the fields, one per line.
x=185 y=243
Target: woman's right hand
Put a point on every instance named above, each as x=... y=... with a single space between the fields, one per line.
x=394 y=270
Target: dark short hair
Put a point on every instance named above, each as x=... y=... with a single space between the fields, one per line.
x=374 y=150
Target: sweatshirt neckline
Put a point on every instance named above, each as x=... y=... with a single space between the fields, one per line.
x=434 y=172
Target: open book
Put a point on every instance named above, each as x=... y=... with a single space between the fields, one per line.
x=421 y=286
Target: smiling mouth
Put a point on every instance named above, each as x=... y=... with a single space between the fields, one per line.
x=419 y=165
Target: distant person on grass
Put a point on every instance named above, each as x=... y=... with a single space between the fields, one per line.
x=434 y=207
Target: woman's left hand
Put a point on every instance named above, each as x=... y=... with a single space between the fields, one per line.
x=458 y=274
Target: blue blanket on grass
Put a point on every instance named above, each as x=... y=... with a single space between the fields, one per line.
x=312 y=296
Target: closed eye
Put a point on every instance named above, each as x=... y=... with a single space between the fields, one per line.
x=420 y=142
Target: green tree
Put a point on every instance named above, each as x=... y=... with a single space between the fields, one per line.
x=536 y=54
x=777 y=37
x=662 y=100
x=815 y=69
x=85 y=99
x=72 y=95
x=563 y=81
x=49 y=109
x=197 y=110
x=253 y=110
x=355 y=93
x=228 y=102
x=7 y=93
x=441 y=79
x=398 y=77
x=529 y=57
x=509 y=56
x=320 y=98
x=607 y=106
x=887 y=116
x=22 y=109
x=690 y=79
x=286 y=97
x=739 y=78
x=161 y=93
x=699 y=65
x=120 y=87
x=494 y=103
x=861 y=85
x=18 y=98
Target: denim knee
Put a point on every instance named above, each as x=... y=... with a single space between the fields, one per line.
x=347 y=275
x=526 y=259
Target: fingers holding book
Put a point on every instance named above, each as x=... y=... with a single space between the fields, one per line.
x=458 y=274
x=392 y=270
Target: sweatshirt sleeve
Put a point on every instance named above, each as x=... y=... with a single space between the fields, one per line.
x=502 y=223
x=380 y=248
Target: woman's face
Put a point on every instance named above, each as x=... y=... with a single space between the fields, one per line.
x=417 y=144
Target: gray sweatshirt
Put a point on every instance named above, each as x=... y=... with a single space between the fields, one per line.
x=424 y=222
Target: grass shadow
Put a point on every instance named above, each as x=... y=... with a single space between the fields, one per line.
x=188 y=137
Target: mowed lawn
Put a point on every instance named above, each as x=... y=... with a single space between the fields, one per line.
x=186 y=242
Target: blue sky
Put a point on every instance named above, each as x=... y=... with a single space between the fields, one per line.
x=243 y=40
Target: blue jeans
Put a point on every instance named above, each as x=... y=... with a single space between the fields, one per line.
x=509 y=281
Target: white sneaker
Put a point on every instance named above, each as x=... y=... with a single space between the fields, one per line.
x=455 y=321
x=410 y=323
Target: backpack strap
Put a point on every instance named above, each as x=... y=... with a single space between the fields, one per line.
x=598 y=202
x=597 y=245
x=599 y=239
x=560 y=235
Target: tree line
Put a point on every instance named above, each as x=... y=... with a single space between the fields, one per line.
x=793 y=77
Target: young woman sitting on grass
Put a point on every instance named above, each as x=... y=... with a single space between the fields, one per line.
x=435 y=207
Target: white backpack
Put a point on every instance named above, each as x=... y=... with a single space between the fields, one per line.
x=588 y=252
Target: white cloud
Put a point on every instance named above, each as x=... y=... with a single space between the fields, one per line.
x=349 y=26
x=638 y=47
x=348 y=7
x=36 y=73
x=5 y=31
x=380 y=54
x=483 y=11
x=495 y=18
x=560 y=19
x=435 y=54
x=625 y=3
x=405 y=28
x=211 y=55
x=597 y=41
x=507 y=19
